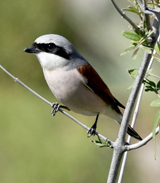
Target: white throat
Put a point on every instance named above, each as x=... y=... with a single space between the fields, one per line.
x=51 y=61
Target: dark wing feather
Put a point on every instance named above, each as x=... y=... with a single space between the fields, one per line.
x=119 y=104
x=97 y=85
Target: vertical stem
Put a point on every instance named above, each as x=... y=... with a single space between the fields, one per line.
x=119 y=144
x=115 y=164
x=133 y=121
x=133 y=95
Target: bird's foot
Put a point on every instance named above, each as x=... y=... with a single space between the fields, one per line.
x=56 y=107
x=91 y=132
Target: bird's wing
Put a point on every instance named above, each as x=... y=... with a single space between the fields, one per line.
x=94 y=82
x=119 y=104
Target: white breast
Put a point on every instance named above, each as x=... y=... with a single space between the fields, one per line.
x=68 y=87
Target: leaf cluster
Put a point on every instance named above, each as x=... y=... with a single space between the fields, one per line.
x=141 y=39
x=150 y=86
x=138 y=41
x=102 y=143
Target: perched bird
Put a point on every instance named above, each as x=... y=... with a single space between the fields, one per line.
x=74 y=82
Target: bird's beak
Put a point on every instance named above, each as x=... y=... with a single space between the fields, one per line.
x=32 y=49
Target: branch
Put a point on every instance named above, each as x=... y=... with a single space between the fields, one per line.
x=158 y=95
x=142 y=142
x=119 y=150
x=151 y=74
x=49 y=103
x=134 y=93
x=134 y=120
x=129 y=137
x=135 y=27
x=147 y=19
x=148 y=10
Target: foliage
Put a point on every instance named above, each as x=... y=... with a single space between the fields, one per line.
x=150 y=86
x=142 y=39
x=139 y=39
x=102 y=143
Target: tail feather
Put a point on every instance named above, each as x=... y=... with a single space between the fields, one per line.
x=133 y=133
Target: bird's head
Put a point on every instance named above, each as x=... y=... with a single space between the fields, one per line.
x=54 y=51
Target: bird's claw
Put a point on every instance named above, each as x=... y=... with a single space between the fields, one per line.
x=91 y=132
x=56 y=107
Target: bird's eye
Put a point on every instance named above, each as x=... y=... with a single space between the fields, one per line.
x=35 y=45
x=50 y=47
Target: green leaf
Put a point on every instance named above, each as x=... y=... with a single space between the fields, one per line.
x=147 y=90
x=155 y=123
x=101 y=143
x=158 y=85
x=132 y=9
x=156 y=56
x=131 y=36
x=157 y=1
x=133 y=73
x=155 y=103
x=130 y=86
x=151 y=83
x=131 y=1
x=132 y=47
x=157 y=47
x=148 y=49
x=134 y=56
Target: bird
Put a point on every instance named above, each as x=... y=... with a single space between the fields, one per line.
x=74 y=82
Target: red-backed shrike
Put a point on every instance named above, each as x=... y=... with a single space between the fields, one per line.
x=73 y=80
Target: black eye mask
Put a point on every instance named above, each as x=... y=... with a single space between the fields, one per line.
x=53 y=49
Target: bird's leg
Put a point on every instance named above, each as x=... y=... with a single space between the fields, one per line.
x=92 y=130
x=56 y=107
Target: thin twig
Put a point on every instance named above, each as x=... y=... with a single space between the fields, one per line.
x=129 y=137
x=135 y=27
x=147 y=19
x=148 y=10
x=151 y=74
x=142 y=142
x=141 y=5
x=49 y=103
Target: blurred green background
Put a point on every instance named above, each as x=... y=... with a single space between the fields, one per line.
x=34 y=146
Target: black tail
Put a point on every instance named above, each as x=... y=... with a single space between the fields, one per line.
x=133 y=133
